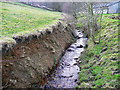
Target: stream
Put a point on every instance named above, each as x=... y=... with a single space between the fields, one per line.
x=67 y=73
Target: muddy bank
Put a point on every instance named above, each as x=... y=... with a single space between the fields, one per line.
x=31 y=59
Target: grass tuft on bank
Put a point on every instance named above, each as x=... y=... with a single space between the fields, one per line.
x=18 y=18
x=100 y=63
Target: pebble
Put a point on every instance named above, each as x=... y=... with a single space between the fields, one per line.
x=70 y=49
x=80 y=46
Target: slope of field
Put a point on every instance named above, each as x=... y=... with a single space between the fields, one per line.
x=18 y=19
x=99 y=67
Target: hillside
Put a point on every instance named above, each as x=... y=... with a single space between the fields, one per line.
x=19 y=19
x=99 y=67
x=31 y=50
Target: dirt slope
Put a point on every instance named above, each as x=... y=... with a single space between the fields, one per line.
x=31 y=61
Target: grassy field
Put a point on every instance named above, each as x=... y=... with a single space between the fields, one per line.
x=18 y=19
x=99 y=67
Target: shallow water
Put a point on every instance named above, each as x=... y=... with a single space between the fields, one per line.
x=67 y=74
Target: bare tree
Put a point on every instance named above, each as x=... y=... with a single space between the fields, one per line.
x=94 y=20
x=91 y=18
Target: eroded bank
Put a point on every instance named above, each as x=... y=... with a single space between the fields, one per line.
x=31 y=59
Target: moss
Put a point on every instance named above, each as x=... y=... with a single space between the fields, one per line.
x=90 y=54
x=86 y=66
x=98 y=76
x=99 y=82
x=116 y=76
x=96 y=70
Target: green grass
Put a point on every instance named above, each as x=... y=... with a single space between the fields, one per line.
x=18 y=19
x=79 y=25
x=98 y=68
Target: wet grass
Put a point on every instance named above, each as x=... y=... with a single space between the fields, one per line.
x=100 y=63
x=19 y=18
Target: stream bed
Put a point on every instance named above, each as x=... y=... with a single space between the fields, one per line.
x=67 y=73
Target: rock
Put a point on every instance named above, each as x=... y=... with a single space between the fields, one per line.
x=28 y=58
x=113 y=58
x=70 y=49
x=38 y=35
x=67 y=64
x=79 y=31
x=75 y=63
x=115 y=72
x=78 y=83
x=72 y=46
x=103 y=50
x=18 y=39
x=11 y=64
x=104 y=35
x=13 y=81
x=59 y=85
x=51 y=48
x=79 y=62
x=67 y=76
x=54 y=28
x=75 y=58
x=53 y=51
x=75 y=80
x=32 y=75
x=6 y=65
x=116 y=51
x=43 y=32
x=34 y=35
x=86 y=46
x=30 y=37
x=81 y=46
x=78 y=37
x=97 y=56
x=48 y=31
x=22 y=56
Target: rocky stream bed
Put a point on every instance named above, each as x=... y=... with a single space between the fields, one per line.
x=67 y=73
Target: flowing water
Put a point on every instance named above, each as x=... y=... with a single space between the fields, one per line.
x=67 y=74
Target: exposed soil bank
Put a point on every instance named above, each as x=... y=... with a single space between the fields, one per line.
x=31 y=61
